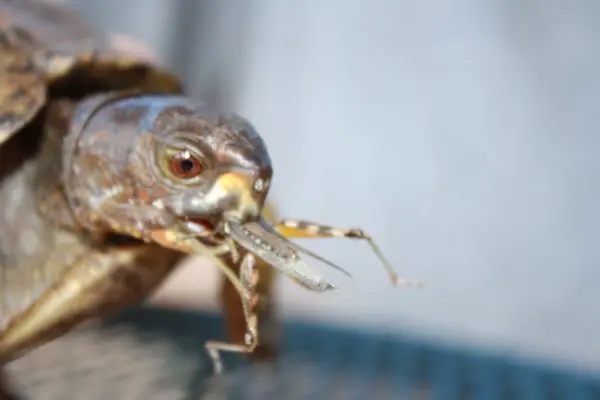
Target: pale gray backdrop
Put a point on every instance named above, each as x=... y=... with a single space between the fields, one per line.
x=463 y=135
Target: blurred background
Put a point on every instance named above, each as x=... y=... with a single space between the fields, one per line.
x=462 y=135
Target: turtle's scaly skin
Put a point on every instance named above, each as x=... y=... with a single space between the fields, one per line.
x=55 y=272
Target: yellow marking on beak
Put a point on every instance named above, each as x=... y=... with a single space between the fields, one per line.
x=240 y=184
x=234 y=181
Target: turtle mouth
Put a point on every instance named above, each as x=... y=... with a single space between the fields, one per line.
x=200 y=224
x=206 y=228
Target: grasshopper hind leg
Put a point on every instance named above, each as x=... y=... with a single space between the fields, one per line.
x=292 y=228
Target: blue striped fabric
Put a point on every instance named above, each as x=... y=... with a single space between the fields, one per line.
x=322 y=362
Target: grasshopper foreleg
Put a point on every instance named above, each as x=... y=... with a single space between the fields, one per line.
x=247 y=284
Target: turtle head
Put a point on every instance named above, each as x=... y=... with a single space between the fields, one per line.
x=217 y=168
x=180 y=174
x=161 y=159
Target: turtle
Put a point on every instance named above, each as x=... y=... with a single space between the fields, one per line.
x=51 y=63
x=110 y=174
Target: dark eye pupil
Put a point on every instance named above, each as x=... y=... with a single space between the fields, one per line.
x=186 y=165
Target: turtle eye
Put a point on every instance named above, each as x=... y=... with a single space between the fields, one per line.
x=185 y=165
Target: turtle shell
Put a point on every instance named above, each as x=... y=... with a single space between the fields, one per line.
x=47 y=51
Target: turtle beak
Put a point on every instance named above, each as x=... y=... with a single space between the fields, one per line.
x=232 y=197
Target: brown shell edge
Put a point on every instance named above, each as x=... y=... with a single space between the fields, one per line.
x=22 y=86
